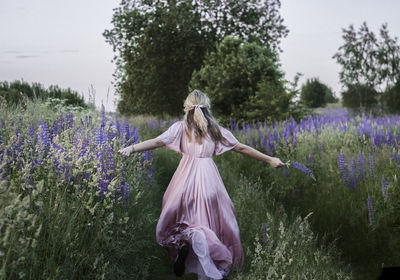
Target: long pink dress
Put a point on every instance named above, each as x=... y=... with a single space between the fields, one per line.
x=196 y=207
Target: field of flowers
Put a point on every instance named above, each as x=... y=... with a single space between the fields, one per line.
x=70 y=208
x=355 y=197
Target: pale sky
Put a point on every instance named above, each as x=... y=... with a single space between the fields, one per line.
x=61 y=43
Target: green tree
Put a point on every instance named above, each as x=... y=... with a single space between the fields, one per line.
x=243 y=81
x=158 y=44
x=357 y=96
x=368 y=62
x=315 y=94
x=392 y=98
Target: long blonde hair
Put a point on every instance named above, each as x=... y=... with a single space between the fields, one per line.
x=198 y=116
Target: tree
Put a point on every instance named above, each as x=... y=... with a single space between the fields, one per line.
x=389 y=59
x=315 y=94
x=392 y=98
x=360 y=95
x=368 y=62
x=158 y=44
x=243 y=81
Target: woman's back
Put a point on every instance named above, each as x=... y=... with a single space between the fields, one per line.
x=176 y=139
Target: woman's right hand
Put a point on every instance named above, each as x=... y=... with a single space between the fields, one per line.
x=126 y=151
x=276 y=162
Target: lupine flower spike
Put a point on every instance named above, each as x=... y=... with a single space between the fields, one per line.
x=301 y=167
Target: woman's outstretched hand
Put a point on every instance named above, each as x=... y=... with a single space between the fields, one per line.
x=276 y=162
x=126 y=151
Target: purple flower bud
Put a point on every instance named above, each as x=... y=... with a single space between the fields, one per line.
x=370 y=212
x=384 y=187
x=265 y=233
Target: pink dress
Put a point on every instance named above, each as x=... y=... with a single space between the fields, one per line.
x=196 y=207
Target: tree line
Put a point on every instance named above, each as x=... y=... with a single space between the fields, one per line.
x=14 y=92
x=230 y=50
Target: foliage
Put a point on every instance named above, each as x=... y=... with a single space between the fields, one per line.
x=368 y=60
x=362 y=96
x=160 y=43
x=15 y=92
x=159 y=49
x=243 y=81
x=392 y=98
x=315 y=94
x=288 y=249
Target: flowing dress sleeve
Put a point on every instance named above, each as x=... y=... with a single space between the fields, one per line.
x=172 y=136
x=227 y=143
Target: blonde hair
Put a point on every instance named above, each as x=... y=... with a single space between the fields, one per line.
x=198 y=116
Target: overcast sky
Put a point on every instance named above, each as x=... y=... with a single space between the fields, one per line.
x=61 y=43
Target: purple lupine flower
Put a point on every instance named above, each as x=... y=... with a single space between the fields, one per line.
x=276 y=135
x=395 y=156
x=371 y=167
x=342 y=164
x=126 y=193
x=110 y=161
x=100 y=137
x=268 y=148
x=310 y=159
x=265 y=233
x=103 y=116
x=284 y=171
x=361 y=166
x=352 y=173
x=302 y=168
x=31 y=135
x=44 y=133
x=70 y=120
x=294 y=139
x=370 y=212
x=263 y=140
x=384 y=187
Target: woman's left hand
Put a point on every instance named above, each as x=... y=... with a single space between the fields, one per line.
x=276 y=162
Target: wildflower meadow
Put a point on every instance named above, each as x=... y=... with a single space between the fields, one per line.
x=71 y=208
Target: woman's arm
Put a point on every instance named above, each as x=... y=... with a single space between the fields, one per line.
x=142 y=146
x=249 y=151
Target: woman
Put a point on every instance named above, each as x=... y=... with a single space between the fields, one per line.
x=197 y=224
